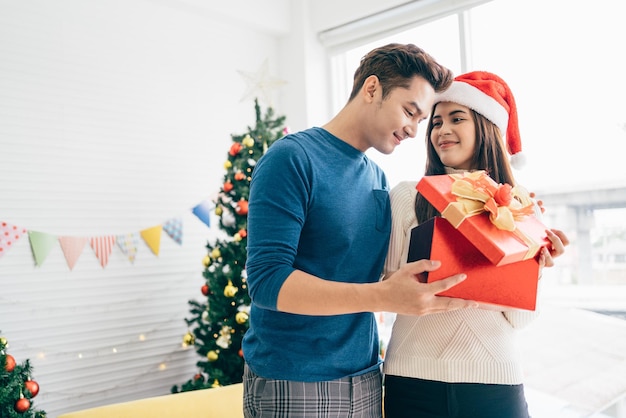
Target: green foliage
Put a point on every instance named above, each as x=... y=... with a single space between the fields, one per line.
x=219 y=322
x=12 y=386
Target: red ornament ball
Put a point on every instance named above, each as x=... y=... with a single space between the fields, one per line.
x=32 y=386
x=205 y=290
x=9 y=364
x=242 y=207
x=22 y=405
x=235 y=148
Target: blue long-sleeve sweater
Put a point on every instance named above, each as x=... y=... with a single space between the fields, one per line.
x=318 y=205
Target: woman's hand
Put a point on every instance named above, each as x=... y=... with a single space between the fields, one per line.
x=539 y=202
x=558 y=241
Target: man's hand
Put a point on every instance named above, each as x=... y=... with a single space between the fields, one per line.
x=404 y=294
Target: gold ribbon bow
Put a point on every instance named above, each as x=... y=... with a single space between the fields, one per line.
x=478 y=193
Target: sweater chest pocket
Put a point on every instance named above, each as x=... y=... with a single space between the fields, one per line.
x=383 y=210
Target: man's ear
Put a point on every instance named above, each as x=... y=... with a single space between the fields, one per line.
x=370 y=86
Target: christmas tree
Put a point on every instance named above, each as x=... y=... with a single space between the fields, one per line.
x=218 y=323
x=17 y=389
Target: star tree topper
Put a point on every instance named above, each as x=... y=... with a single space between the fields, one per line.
x=260 y=84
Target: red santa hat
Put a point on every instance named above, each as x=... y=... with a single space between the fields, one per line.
x=489 y=95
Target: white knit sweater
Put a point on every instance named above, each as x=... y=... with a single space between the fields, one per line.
x=467 y=345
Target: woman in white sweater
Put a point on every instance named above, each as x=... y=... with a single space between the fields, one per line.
x=464 y=363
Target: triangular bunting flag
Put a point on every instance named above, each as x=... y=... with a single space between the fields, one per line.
x=152 y=237
x=72 y=249
x=128 y=243
x=203 y=211
x=174 y=228
x=41 y=244
x=103 y=246
x=9 y=234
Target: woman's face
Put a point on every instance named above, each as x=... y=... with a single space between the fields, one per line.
x=453 y=135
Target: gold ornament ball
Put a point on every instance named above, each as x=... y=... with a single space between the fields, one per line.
x=189 y=339
x=230 y=291
x=228 y=164
x=241 y=317
x=216 y=253
x=219 y=210
x=206 y=261
x=3 y=341
x=248 y=141
x=212 y=355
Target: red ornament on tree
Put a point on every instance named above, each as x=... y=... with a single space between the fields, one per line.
x=32 y=386
x=9 y=365
x=235 y=148
x=205 y=290
x=228 y=186
x=242 y=207
x=22 y=405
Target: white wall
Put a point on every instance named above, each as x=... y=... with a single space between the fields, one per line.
x=116 y=115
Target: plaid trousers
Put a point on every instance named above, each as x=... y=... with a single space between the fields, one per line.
x=348 y=397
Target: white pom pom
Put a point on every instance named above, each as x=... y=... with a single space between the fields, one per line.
x=518 y=161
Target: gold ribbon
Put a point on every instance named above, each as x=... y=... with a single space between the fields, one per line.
x=478 y=193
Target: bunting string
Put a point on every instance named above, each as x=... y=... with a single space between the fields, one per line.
x=41 y=243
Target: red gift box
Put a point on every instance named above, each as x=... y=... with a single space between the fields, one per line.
x=504 y=230
x=512 y=285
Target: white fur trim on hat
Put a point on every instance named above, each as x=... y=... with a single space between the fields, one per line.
x=467 y=95
x=518 y=161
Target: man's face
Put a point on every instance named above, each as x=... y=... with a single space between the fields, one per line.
x=396 y=118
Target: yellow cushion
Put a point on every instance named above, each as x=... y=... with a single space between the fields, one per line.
x=220 y=402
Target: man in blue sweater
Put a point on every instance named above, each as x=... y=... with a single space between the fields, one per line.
x=318 y=230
